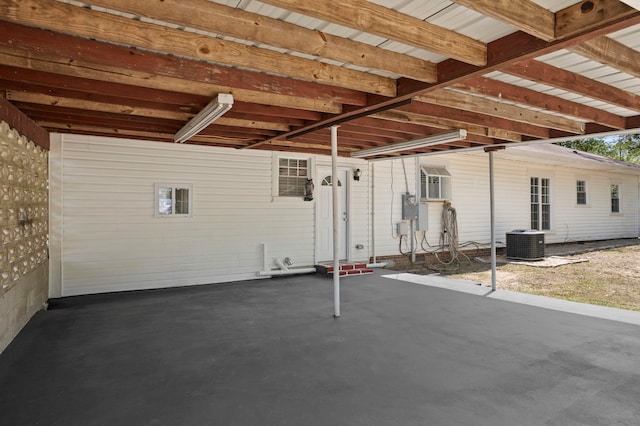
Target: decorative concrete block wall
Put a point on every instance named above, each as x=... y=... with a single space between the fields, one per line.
x=23 y=231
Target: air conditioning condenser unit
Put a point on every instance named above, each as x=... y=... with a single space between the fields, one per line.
x=525 y=244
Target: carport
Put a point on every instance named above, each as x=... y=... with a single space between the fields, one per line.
x=270 y=353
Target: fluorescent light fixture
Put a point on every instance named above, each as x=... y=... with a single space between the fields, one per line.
x=633 y=3
x=414 y=144
x=218 y=106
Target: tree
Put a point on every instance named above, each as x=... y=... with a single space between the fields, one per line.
x=623 y=147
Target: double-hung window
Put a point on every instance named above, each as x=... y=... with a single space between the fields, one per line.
x=173 y=200
x=435 y=183
x=292 y=176
x=615 y=198
x=540 y=190
x=581 y=193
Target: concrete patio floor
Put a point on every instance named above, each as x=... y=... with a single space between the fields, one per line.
x=268 y=352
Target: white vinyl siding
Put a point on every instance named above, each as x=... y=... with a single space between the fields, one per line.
x=104 y=247
x=470 y=198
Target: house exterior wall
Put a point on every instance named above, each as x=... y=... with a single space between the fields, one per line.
x=107 y=238
x=104 y=236
x=470 y=197
x=23 y=231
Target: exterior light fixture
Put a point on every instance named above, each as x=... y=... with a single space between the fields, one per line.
x=214 y=110
x=414 y=144
x=356 y=174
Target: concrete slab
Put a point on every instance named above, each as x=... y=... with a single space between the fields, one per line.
x=473 y=287
x=269 y=352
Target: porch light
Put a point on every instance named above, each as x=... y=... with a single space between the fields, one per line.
x=356 y=174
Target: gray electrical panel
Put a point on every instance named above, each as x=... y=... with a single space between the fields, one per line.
x=409 y=207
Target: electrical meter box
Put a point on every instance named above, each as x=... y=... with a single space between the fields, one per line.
x=409 y=207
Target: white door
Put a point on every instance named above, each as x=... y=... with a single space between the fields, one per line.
x=324 y=206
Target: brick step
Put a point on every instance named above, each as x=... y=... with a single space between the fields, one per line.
x=346 y=269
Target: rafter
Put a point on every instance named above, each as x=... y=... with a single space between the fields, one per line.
x=495 y=108
x=217 y=18
x=65 y=18
x=33 y=49
x=379 y=20
x=525 y=15
x=129 y=110
x=609 y=52
x=587 y=15
x=522 y=95
x=547 y=74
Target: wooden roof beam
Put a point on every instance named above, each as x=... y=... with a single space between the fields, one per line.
x=609 y=52
x=525 y=15
x=522 y=95
x=129 y=110
x=81 y=22
x=33 y=49
x=221 y=19
x=547 y=74
x=382 y=21
x=586 y=15
x=495 y=108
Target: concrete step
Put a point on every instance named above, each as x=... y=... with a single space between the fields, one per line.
x=346 y=269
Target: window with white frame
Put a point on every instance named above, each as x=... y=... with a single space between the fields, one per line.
x=292 y=176
x=540 y=203
x=173 y=200
x=435 y=183
x=615 y=198
x=581 y=192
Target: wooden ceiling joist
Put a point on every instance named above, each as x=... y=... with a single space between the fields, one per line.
x=297 y=67
x=553 y=76
x=524 y=96
x=81 y=22
x=609 y=52
x=526 y=16
x=495 y=108
x=217 y=18
x=379 y=20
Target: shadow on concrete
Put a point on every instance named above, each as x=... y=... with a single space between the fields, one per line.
x=269 y=352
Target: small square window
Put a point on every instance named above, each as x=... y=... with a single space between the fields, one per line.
x=173 y=200
x=435 y=183
x=292 y=176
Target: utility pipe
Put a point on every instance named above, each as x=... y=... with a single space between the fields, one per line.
x=336 y=219
x=279 y=272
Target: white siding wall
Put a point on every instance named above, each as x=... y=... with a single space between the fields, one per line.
x=470 y=198
x=110 y=240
